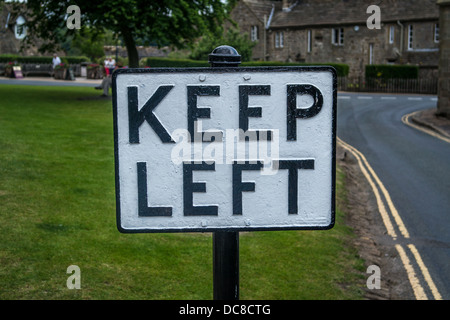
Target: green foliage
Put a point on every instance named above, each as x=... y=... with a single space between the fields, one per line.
x=174 y=63
x=232 y=37
x=89 y=42
x=173 y=22
x=392 y=71
x=341 y=69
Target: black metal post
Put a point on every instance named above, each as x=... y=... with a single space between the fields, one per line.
x=225 y=243
x=226 y=265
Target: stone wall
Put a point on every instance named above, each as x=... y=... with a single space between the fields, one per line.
x=246 y=19
x=361 y=46
x=444 y=59
x=354 y=51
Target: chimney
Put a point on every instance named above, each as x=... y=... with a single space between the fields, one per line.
x=287 y=5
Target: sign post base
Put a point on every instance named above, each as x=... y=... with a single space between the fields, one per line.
x=226 y=265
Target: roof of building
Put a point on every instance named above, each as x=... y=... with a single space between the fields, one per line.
x=332 y=12
x=262 y=8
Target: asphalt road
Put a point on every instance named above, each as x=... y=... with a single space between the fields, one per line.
x=413 y=166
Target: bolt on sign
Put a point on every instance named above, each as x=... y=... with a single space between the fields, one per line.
x=225 y=149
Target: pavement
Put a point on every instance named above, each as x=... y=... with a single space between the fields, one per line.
x=79 y=81
x=51 y=79
x=428 y=119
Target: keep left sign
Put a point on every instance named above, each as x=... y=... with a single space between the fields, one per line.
x=215 y=149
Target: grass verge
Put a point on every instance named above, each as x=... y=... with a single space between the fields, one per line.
x=57 y=208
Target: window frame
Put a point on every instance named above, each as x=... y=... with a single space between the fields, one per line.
x=391 y=34
x=337 y=36
x=410 y=37
x=20 y=28
x=254 y=32
x=436 y=33
x=309 y=40
x=279 y=39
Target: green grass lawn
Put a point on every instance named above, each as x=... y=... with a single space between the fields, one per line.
x=57 y=208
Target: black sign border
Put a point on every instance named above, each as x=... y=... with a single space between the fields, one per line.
x=224 y=70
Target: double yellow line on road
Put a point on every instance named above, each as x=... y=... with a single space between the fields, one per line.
x=406 y=120
x=394 y=226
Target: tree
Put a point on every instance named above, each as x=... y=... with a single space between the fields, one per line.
x=174 y=22
x=87 y=43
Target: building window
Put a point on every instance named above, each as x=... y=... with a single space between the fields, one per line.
x=391 y=34
x=371 y=53
x=279 y=40
x=436 y=32
x=410 y=37
x=254 y=33
x=309 y=41
x=20 y=30
x=337 y=36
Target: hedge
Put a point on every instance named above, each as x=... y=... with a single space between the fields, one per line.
x=341 y=69
x=174 y=63
x=40 y=59
x=392 y=71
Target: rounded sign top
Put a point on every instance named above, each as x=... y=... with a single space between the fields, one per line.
x=224 y=56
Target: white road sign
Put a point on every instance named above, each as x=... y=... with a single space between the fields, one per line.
x=215 y=149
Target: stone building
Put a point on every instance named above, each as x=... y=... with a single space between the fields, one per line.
x=13 y=32
x=321 y=31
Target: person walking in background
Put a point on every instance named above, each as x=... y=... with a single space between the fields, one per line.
x=56 y=60
x=110 y=64
x=107 y=81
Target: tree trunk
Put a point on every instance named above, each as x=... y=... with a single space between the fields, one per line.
x=133 y=56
